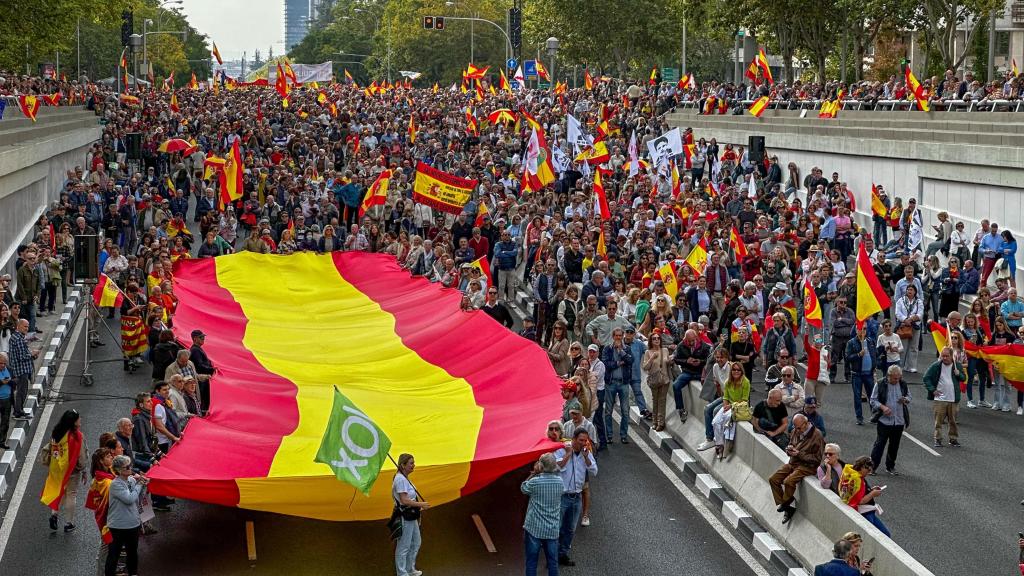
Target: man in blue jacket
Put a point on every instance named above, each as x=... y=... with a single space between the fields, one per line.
x=618 y=362
x=838 y=565
x=506 y=254
x=861 y=355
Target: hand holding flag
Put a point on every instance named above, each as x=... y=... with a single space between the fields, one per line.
x=353 y=446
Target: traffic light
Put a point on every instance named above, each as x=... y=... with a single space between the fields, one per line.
x=515 y=25
x=127 y=26
x=428 y=22
x=439 y=23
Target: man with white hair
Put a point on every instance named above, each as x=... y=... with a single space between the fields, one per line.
x=543 y=514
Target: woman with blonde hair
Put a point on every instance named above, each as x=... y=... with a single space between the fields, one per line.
x=657 y=364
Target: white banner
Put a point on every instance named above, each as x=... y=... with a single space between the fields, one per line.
x=305 y=72
x=664 y=146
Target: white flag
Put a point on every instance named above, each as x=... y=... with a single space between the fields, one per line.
x=579 y=139
x=634 y=158
x=916 y=231
x=520 y=78
x=532 y=153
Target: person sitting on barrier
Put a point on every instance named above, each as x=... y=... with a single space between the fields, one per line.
x=855 y=491
x=792 y=393
x=831 y=468
x=690 y=355
x=810 y=410
x=805 y=453
x=771 y=418
x=734 y=387
x=839 y=564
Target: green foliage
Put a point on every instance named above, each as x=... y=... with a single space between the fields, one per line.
x=979 y=50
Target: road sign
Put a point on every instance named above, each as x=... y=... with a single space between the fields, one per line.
x=529 y=68
x=543 y=85
x=510 y=64
x=669 y=75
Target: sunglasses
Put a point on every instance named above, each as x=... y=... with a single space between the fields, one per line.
x=556 y=428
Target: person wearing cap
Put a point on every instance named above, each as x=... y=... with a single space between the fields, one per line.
x=597 y=374
x=203 y=366
x=570 y=390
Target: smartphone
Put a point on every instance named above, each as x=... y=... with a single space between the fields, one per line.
x=882 y=487
x=872 y=561
x=1021 y=534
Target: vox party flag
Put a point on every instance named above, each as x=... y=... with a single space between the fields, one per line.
x=353 y=446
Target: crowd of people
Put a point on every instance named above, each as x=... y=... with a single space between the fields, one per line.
x=615 y=297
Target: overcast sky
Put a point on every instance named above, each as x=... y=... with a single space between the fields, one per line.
x=239 y=25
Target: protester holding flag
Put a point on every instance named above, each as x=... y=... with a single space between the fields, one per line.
x=67 y=456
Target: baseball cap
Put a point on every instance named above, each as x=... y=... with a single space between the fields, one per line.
x=593 y=348
x=198 y=334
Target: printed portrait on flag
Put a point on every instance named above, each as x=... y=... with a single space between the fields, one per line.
x=665 y=146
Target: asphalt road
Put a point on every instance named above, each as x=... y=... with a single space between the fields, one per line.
x=641 y=524
x=959 y=512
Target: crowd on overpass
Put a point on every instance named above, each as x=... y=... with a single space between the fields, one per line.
x=676 y=270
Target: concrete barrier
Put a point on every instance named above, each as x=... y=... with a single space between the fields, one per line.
x=821 y=518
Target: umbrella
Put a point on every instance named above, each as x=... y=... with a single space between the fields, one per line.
x=502 y=115
x=643 y=165
x=174 y=145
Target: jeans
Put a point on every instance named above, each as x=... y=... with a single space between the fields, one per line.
x=677 y=388
x=977 y=368
x=507 y=285
x=839 y=355
x=1002 y=392
x=20 y=384
x=874 y=519
x=48 y=297
x=572 y=506
x=862 y=384
x=638 y=395
x=598 y=419
x=612 y=392
x=408 y=547
x=881 y=233
x=890 y=435
x=5 y=418
x=126 y=539
x=533 y=547
x=29 y=311
x=709 y=416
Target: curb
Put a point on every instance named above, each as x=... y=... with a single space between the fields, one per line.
x=23 y=430
x=695 y=476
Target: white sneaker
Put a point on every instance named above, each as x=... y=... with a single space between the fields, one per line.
x=586 y=521
x=995 y=407
x=1020 y=410
x=705 y=445
x=971 y=404
x=416 y=573
x=1006 y=408
x=984 y=404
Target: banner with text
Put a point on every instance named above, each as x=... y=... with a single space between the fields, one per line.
x=441 y=190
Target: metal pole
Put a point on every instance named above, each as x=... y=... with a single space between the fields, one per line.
x=472 y=25
x=144 y=54
x=991 y=45
x=736 y=64
x=78 y=48
x=682 y=72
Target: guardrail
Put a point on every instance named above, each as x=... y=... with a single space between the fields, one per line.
x=821 y=518
x=880 y=105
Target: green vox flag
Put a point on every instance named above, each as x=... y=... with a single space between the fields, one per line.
x=353 y=446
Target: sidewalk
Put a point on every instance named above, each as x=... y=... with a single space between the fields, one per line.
x=56 y=329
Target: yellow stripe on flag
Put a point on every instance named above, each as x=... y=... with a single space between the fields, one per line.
x=354 y=327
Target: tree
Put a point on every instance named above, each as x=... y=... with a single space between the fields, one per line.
x=863 y=19
x=889 y=53
x=941 y=19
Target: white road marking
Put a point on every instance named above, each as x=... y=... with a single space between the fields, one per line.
x=698 y=503
x=926 y=447
x=41 y=432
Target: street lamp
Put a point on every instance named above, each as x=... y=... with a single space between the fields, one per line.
x=552 y=46
x=376 y=28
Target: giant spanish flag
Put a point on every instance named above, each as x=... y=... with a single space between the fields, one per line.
x=871 y=297
x=393 y=344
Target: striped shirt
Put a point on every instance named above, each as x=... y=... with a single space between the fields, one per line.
x=543 y=515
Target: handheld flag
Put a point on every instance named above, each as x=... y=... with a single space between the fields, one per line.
x=602 y=248
x=174 y=103
x=634 y=159
x=812 y=308
x=377 y=194
x=193 y=84
x=677 y=184
x=107 y=294
x=123 y=62
x=216 y=54
x=737 y=245
x=63 y=458
x=759 y=106
x=412 y=129
x=600 y=198
x=762 y=63
x=877 y=205
x=654 y=76
x=1013 y=67
x=668 y=277
x=29 y=105
x=542 y=72
x=588 y=80
x=231 y=187
x=916 y=89
x=503 y=85
x=353 y=446
x=484 y=267
x=698 y=257
x=871 y=298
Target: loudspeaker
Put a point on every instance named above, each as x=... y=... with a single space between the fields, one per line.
x=755 y=149
x=133 y=142
x=87 y=258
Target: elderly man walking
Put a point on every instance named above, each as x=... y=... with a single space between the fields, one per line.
x=942 y=380
x=806 y=449
x=543 y=514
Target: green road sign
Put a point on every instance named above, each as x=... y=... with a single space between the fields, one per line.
x=669 y=75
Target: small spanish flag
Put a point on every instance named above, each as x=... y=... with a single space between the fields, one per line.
x=216 y=54
x=759 y=106
x=174 y=103
x=107 y=294
x=29 y=105
x=412 y=129
x=377 y=195
x=654 y=76
x=484 y=266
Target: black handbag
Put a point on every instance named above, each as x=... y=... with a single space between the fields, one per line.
x=394 y=524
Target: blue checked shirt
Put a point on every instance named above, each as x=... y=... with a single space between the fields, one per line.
x=543 y=515
x=19 y=356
